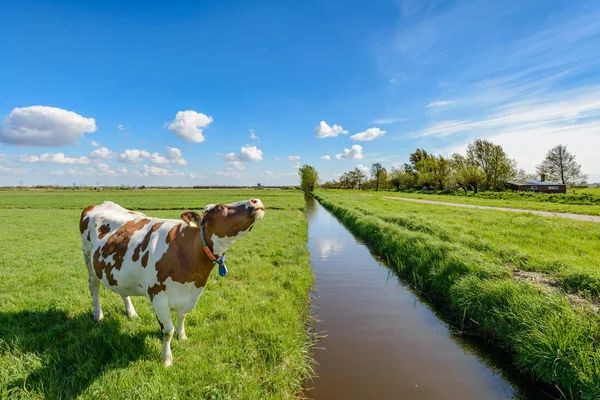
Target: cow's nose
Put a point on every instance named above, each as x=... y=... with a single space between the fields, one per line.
x=256 y=203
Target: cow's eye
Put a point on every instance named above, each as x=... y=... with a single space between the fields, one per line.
x=221 y=209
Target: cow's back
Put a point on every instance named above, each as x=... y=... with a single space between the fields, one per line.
x=121 y=246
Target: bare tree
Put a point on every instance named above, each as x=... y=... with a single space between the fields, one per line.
x=560 y=165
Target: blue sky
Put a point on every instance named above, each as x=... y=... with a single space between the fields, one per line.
x=171 y=92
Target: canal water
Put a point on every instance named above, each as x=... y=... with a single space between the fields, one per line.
x=380 y=341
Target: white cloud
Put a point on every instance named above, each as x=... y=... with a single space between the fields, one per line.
x=133 y=156
x=189 y=125
x=121 y=127
x=363 y=168
x=122 y=169
x=369 y=134
x=53 y=158
x=324 y=130
x=175 y=157
x=95 y=144
x=386 y=121
x=102 y=154
x=231 y=165
x=3 y=158
x=44 y=126
x=250 y=153
x=325 y=158
x=253 y=135
x=437 y=104
x=354 y=153
x=293 y=158
x=145 y=170
x=297 y=165
x=156 y=158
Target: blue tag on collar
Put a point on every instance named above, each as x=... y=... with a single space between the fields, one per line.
x=222 y=267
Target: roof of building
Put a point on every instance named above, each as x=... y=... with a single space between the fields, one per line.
x=538 y=183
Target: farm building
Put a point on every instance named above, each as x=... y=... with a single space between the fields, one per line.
x=539 y=186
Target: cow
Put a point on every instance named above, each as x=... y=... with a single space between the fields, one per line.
x=166 y=260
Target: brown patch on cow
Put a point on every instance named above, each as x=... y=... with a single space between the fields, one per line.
x=173 y=234
x=116 y=245
x=185 y=260
x=84 y=220
x=144 y=243
x=145 y=259
x=103 y=230
x=156 y=289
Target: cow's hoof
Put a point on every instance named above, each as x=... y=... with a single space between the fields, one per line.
x=183 y=337
x=98 y=315
x=168 y=361
x=132 y=315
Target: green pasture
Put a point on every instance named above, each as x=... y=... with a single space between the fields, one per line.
x=247 y=334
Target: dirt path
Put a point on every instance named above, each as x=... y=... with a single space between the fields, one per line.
x=577 y=217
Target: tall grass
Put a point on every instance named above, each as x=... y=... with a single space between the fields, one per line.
x=550 y=338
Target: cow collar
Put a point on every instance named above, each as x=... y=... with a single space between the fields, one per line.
x=217 y=260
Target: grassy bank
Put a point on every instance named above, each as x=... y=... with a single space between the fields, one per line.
x=523 y=281
x=579 y=203
x=247 y=334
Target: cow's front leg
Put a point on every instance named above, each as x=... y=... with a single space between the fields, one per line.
x=163 y=313
x=180 y=327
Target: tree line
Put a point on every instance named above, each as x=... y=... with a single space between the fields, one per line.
x=485 y=166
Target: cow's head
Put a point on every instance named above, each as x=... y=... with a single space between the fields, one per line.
x=223 y=223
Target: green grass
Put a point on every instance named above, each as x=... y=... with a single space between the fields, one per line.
x=582 y=202
x=247 y=334
x=470 y=263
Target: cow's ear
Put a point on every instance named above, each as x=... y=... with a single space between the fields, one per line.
x=192 y=218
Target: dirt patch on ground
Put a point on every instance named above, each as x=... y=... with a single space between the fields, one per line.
x=550 y=285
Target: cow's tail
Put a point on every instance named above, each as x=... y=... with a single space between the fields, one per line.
x=85 y=228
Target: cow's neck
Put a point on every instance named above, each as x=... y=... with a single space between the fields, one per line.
x=219 y=245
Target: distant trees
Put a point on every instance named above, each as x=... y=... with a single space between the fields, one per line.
x=379 y=174
x=309 y=178
x=485 y=166
x=560 y=165
x=494 y=163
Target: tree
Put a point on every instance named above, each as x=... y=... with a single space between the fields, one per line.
x=560 y=165
x=378 y=172
x=402 y=178
x=435 y=171
x=466 y=175
x=417 y=158
x=309 y=178
x=357 y=176
x=494 y=162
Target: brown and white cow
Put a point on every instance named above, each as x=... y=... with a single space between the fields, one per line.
x=165 y=260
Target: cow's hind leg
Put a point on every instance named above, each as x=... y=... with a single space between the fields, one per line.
x=163 y=313
x=95 y=291
x=180 y=327
x=129 y=307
